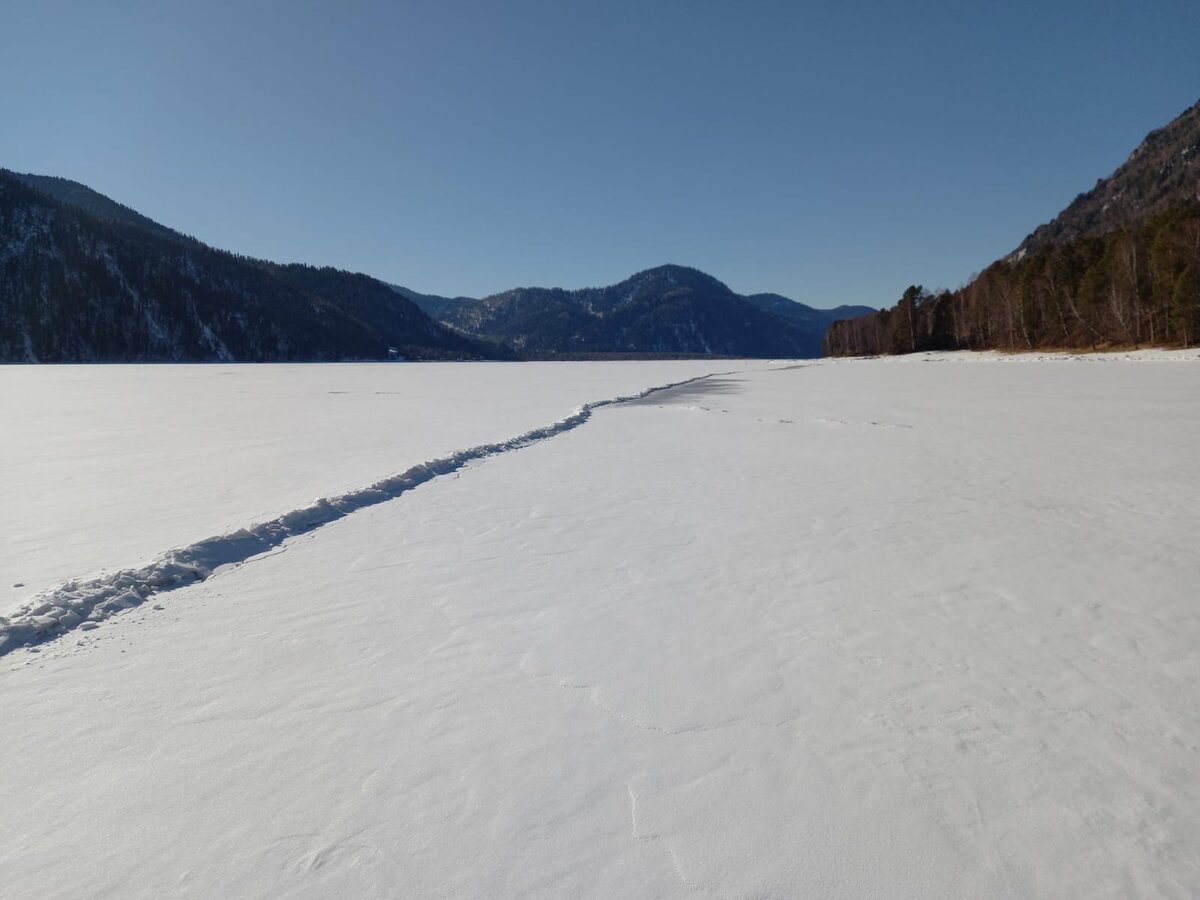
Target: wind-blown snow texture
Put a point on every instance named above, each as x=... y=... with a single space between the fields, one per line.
x=83 y=603
x=107 y=468
x=858 y=629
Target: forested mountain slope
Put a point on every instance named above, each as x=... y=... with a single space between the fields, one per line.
x=1119 y=266
x=85 y=279
x=1162 y=173
x=666 y=310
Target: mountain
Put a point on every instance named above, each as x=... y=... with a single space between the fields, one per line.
x=667 y=310
x=1120 y=266
x=432 y=305
x=85 y=279
x=1161 y=173
x=72 y=193
x=804 y=317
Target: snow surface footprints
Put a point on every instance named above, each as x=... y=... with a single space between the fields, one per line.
x=83 y=604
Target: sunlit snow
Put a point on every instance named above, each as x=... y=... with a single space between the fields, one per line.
x=920 y=627
x=106 y=467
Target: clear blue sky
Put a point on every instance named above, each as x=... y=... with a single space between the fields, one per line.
x=832 y=152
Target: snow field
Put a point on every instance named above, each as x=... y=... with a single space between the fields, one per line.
x=84 y=604
x=849 y=630
x=109 y=467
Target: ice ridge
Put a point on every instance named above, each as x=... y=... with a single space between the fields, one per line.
x=83 y=604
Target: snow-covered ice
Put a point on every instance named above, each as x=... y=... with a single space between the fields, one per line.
x=106 y=467
x=865 y=628
x=83 y=603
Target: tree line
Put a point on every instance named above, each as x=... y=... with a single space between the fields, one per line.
x=1130 y=287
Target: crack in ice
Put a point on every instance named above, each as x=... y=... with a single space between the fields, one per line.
x=84 y=603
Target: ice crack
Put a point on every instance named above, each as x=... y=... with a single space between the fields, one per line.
x=84 y=603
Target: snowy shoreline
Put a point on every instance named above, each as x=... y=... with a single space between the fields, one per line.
x=1152 y=354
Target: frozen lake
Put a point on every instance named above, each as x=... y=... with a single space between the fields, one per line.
x=105 y=467
x=868 y=628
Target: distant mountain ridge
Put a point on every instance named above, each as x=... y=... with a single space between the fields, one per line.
x=669 y=309
x=431 y=304
x=800 y=316
x=84 y=278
